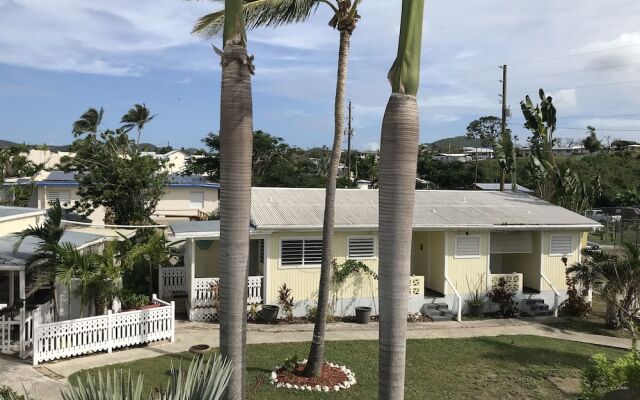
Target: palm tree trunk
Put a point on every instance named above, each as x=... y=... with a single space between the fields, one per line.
x=398 y=159
x=398 y=155
x=612 y=321
x=316 y=351
x=236 y=126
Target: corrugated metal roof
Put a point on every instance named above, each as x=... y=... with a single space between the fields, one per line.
x=496 y=186
x=30 y=244
x=195 y=228
x=7 y=213
x=302 y=209
x=68 y=179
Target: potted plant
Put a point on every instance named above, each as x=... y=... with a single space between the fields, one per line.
x=363 y=314
x=270 y=313
x=476 y=301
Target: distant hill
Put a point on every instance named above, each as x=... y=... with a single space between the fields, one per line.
x=454 y=144
x=7 y=143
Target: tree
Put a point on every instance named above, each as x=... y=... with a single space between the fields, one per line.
x=344 y=19
x=591 y=142
x=137 y=117
x=561 y=186
x=628 y=198
x=236 y=127
x=112 y=174
x=616 y=278
x=151 y=249
x=486 y=129
x=398 y=156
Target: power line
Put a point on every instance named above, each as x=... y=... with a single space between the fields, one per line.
x=575 y=54
x=600 y=129
x=577 y=71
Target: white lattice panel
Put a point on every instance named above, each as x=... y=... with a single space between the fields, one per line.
x=255 y=290
x=173 y=280
x=204 y=314
x=416 y=285
x=513 y=281
x=202 y=295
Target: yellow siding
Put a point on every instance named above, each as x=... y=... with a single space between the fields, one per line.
x=463 y=270
x=206 y=252
x=303 y=282
x=552 y=266
x=17 y=225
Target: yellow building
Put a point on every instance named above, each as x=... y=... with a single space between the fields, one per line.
x=185 y=198
x=462 y=240
x=16 y=219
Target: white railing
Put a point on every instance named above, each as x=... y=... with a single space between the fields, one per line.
x=514 y=281
x=458 y=299
x=7 y=343
x=71 y=338
x=556 y=298
x=416 y=285
x=202 y=294
x=171 y=281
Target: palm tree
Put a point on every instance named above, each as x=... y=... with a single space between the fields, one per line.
x=398 y=156
x=236 y=141
x=345 y=16
x=76 y=266
x=137 y=117
x=153 y=248
x=88 y=122
x=41 y=266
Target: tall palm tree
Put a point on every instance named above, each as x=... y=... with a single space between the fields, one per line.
x=398 y=156
x=345 y=16
x=236 y=141
x=137 y=117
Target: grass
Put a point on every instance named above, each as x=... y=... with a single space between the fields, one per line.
x=483 y=368
x=593 y=323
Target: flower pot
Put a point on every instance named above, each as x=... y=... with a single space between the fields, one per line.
x=363 y=314
x=269 y=313
x=475 y=310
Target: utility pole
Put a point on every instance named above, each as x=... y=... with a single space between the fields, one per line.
x=349 y=134
x=504 y=119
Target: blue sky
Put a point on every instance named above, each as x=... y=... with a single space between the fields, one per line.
x=57 y=58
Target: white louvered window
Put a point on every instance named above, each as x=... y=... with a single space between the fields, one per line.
x=361 y=247
x=467 y=246
x=57 y=194
x=561 y=245
x=196 y=200
x=301 y=252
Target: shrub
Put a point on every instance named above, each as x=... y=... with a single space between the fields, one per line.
x=285 y=301
x=7 y=393
x=503 y=297
x=311 y=313
x=574 y=304
x=252 y=314
x=132 y=301
x=601 y=376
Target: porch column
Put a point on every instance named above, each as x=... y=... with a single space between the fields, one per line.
x=265 y=271
x=22 y=313
x=191 y=274
x=12 y=293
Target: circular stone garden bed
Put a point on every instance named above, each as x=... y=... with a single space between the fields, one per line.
x=332 y=379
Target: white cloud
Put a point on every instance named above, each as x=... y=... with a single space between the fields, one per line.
x=565 y=100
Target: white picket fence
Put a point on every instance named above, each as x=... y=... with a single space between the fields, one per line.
x=172 y=281
x=202 y=295
x=75 y=337
x=13 y=339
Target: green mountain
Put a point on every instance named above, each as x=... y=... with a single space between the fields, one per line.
x=454 y=144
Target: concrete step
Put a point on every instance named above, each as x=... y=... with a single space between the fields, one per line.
x=436 y=306
x=438 y=313
x=533 y=301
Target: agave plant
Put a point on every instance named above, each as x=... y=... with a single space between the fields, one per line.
x=203 y=380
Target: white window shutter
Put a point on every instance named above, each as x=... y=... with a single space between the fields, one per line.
x=467 y=246
x=561 y=244
x=196 y=200
x=361 y=247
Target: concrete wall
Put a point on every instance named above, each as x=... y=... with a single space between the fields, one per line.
x=526 y=263
x=17 y=225
x=176 y=201
x=207 y=253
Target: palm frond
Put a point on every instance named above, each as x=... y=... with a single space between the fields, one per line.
x=88 y=122
x=259 y=13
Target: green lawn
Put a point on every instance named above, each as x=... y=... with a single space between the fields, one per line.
x=505 y=367
x=593 y=323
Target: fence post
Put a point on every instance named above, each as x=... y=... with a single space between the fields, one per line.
x=109 y=331
x=160 y=283
x=35 y=338
x=173 y=321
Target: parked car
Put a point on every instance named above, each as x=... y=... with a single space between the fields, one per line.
x=592 y=246
x=600 y=216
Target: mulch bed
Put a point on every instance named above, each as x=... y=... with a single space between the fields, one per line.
x=332 y=378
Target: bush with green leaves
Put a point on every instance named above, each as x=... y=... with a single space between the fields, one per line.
x=602 y=376
x=202 y=380
x=7 y=393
